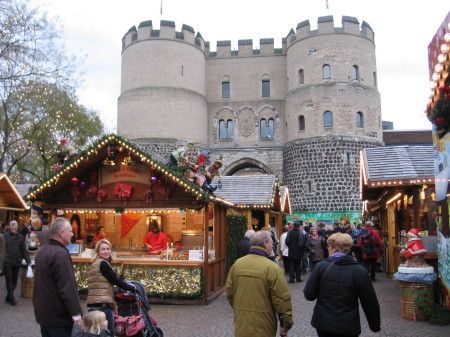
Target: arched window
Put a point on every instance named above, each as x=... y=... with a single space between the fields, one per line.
x=265 y=88
x=230 y=129
x=226 y=89
x=359 y=119
x=328 y=119
x=355 y=73
x=267 y=128
x=326 y=72
x=301 y=76
x=263 y=126
x=301 y=123
x=271 y=130
x=225 y=129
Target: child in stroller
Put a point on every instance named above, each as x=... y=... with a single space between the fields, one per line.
x=131 y=304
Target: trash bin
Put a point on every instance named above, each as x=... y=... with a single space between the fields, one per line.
x=408 y=293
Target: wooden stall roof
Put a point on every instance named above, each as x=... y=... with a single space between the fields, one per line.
x=10 y=199
x=395 y=166
x=251 y=191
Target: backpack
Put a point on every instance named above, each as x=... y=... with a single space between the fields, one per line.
x=369 y=241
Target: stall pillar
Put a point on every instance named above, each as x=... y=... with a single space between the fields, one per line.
x=391 y=268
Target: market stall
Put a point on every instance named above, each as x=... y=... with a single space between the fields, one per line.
x=117 y=186
x=398 y=190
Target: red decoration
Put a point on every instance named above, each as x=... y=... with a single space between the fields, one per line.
x=74 y=181
x=128 y=222
x=93 y=177
x=148 y=196
x=123 y=191
x=101 y=194
x=92 y=191
x=75 y=191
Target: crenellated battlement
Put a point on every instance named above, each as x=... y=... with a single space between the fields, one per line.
x=167 y=31
x=325 y=26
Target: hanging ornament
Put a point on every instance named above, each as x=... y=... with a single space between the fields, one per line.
x=123 y=191
x=74 y=190
x=82 y=184
x=74 y=181
x=101 y=194
x=148 y=196
x=92 y=191
x=127 y=160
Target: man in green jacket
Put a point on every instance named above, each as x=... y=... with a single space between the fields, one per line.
x=258 y=292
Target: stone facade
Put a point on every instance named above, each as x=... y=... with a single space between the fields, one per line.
x=263 y=110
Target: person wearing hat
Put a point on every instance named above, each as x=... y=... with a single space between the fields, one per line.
x=415 y=246
x=179 y=156
x=213 y=170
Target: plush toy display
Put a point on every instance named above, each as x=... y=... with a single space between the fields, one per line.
x=414 y=250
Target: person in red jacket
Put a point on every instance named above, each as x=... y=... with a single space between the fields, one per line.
x=155 y=240
x=370 y=260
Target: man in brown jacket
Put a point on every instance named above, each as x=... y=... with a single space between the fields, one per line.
x=55 y=296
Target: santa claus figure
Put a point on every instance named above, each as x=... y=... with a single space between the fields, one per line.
x=414 y=250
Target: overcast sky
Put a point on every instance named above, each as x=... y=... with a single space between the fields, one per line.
x=403 y=29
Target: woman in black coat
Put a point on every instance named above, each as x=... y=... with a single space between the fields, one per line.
x=338 y=283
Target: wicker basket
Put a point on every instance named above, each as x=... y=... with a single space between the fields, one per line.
x=408 y=293
x=26 y=286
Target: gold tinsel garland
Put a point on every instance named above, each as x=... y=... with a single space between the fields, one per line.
x=162 y=281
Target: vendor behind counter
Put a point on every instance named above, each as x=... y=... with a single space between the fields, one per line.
x=155 y=240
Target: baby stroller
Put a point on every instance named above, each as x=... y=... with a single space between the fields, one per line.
x=131 y=304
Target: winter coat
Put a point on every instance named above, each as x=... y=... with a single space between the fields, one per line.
x=337 y=291
x=243 y=247
x=258 y=292
x=15 y=250
x=296 y=241
x=100 y=290
x=2 y=251
x=284 y=250
x=379 y=243
x=316 y=248
x=55 y=294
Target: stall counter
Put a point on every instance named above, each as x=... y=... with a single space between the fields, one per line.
x=161 y=278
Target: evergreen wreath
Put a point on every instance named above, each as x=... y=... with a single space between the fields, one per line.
x=439 y=115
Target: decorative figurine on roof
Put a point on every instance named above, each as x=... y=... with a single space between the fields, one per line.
x=180 y=155
x=213 y=170
x=193 y=174
x=414 y=251
x=36 y=218
x=67 y=150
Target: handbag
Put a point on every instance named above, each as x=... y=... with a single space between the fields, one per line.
x=29 y=272
x=128 y=326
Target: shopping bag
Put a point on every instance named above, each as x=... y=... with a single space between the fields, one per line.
x=29 y=272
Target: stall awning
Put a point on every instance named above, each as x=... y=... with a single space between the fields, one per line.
x=394 y=167
x=9 y=197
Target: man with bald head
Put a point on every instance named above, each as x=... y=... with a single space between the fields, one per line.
x=55 y=297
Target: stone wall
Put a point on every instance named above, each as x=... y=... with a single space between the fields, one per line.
x=322 y=173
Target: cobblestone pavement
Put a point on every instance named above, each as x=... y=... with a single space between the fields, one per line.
x=216 y=319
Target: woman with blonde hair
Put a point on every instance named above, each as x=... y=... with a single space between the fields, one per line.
x=337 y=283
x=101 y=279
x=94 y=325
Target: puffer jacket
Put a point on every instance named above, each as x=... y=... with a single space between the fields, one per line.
x=100 y=290
x=337 y=291
x=15 y=250
x=258 y=292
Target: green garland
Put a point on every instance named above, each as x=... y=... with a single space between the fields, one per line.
x=433 y=312
x=236 y=228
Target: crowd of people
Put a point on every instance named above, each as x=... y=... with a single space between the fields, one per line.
x=342 y=266
x=339 y=257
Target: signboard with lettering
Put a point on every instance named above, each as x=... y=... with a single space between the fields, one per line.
x=120 y=173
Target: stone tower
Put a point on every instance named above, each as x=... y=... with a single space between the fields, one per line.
x=302 y=111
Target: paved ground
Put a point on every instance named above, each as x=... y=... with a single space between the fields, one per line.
x=216 y=319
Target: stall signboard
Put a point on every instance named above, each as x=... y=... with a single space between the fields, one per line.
x=121 y=173
x=195 y=255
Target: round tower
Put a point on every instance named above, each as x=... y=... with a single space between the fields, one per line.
x=162 y=94
x=333 y=110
